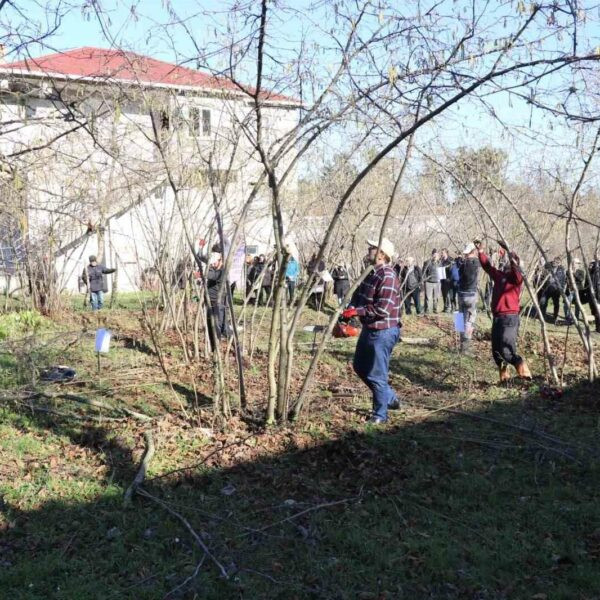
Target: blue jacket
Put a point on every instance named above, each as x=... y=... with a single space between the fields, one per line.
x=455 y=272
x=292 y=269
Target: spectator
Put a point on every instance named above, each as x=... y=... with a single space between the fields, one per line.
x=341 y=282
x=292 y=272
x=556 y=282
x=266 y=285
x=467 y=294
x=455 y=279
x=431 y=277
x=94 y=278
x=317 y=293
x=580 y=285
x=410 y=277
x=446 y=283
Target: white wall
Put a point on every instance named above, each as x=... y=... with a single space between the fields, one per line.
x=111 y=163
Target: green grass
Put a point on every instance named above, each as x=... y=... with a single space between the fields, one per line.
x=435 y=505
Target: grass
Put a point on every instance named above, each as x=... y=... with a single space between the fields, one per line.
x=499 y=501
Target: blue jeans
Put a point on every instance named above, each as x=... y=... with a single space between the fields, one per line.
x=97 y=300
x=372 y=364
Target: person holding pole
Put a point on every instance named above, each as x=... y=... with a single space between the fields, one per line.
x=505 y=305
x=377 y=303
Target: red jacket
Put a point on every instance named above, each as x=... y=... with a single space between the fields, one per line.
x=507 y=287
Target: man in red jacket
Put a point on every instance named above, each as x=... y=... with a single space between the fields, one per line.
x=505 y=308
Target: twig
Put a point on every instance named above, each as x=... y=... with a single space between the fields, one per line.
x=531 y=431
x=188 y=579
x=98 y=404
x=303 y=512
x=141 y=474
x=187 y=525
x=443 y=516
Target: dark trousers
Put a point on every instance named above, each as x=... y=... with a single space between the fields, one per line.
x=218 y=327
x=447 y=294
x=291 y=290
x=454 y=295
x=545 y=297
x=264 y=294
x=412 y=296
x=505 y=330
x=372 y=365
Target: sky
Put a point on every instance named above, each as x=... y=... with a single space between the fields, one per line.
x=139 y=25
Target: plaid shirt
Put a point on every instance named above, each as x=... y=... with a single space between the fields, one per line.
x=377 y=300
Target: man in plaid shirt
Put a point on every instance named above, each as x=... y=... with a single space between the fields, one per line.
x=377 y=304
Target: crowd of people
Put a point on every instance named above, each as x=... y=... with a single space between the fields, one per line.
x=392 y=288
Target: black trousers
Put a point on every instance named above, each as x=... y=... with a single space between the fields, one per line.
x=221 y=325
x=546 y=296
x=447 y=294
x=505 y=330
x=413 y=296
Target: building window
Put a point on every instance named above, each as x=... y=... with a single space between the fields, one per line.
x=165 y=121
x=199 y=123
x=194 y=124
x=205 y=121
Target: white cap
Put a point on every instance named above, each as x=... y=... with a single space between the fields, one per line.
x=386 y=247
x=469 y=248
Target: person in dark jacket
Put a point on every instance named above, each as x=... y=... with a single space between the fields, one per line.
x=431 y=278
x=319 y=289
x=455 y=280
x=506 y=298
x=216 y=288
x=266 y=286
x=94 y=278
x=582 y=292
x=341 y=282
x=594 y=275
x=467 y=294
x=556 y=282
x=410 y=277
x=446 y=283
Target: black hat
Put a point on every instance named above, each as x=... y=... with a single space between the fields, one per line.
x=93 y=258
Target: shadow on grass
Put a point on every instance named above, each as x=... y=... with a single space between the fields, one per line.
x=455 y=506
x=419 y=365
x=194 y=399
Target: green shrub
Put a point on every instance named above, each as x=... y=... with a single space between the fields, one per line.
x=18 y=324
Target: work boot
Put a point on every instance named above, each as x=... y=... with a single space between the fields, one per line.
x=504 y=374
x=376 y=421
x=523 y=370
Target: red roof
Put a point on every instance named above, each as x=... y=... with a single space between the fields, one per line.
x=121 y=65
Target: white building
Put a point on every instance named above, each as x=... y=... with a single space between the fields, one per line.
x=113 y=153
